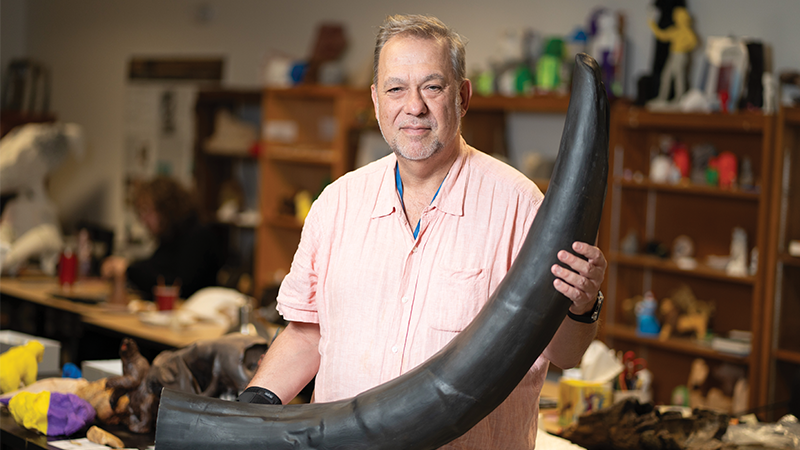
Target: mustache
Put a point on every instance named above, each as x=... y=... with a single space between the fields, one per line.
x=418 y=123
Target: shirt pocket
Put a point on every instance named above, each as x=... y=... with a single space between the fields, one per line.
x=461 y=295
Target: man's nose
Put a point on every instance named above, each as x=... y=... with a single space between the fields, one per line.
x=415 y=104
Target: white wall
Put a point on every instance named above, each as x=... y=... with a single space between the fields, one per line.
x=87 y=43
x=13 y=33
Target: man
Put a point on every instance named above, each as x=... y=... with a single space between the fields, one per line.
x=399 y=256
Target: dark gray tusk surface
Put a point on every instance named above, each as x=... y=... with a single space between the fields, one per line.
x=465 y=381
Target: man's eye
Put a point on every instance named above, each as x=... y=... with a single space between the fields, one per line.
x=393 y=90
x=435 y=88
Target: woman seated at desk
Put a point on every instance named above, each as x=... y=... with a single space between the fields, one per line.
x=188 y=251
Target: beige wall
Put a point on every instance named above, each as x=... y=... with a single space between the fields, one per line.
x=87 y=44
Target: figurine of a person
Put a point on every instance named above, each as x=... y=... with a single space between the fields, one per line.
x=607 y=48
x=646 y=322
x=682 y=41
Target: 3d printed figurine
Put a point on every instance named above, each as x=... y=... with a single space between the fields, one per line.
x=683 y=252
x=647 y=85
x=726 y=63
x=646 y=322
x=726 y=166
x=682 y=313
x=215 y=368
x=770 y=92
x=30 y=227
x=20 y=366
x=511 y=53
x=606 y=45
x=738 y=265
x=682 y=41
x=548 y=68
x=680 y=159
x=447 y=395
x=702 y=154
x=662 y=170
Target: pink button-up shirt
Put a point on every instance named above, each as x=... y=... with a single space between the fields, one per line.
x=386 y=302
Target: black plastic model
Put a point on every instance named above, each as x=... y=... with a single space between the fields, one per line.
x=447 y=395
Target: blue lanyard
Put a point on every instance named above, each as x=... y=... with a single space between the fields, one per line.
x=399 y=184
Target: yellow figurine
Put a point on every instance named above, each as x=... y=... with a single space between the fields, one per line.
x=682 y=41
x=19 y=366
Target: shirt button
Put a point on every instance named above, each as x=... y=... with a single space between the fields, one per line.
x=394 y=349
x=404 y=299
x=414 y=250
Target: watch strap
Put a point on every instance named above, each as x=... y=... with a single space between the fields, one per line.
x=591 y=316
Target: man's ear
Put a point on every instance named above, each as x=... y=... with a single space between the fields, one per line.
x=466 y=94
x=374 y=93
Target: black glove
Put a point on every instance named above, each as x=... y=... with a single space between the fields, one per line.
x=255 y=394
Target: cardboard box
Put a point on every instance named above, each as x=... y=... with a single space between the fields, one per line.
x=577 y=397
x=51 y=360
x=95 y=370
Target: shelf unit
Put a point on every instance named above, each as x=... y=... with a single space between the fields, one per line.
x=484 y=125
x=661 y=212
x=309 y=135
x=780 y=352
x=229 y=167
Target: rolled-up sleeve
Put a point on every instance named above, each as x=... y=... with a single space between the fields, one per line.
x=297 y=297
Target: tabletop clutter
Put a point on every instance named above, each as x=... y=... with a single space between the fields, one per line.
x=52 y=400
x=606 y=400
x=64 y=406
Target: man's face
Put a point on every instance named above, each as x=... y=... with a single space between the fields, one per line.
x=417 y=99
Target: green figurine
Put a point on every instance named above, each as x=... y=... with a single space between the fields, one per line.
x=485 y=83
x=524 y=81
x=548 y=69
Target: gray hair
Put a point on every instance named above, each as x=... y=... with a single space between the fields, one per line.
x=425 y=27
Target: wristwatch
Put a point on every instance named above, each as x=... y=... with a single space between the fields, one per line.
x=591 y=316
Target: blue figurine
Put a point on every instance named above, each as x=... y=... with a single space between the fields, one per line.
x=646 y=322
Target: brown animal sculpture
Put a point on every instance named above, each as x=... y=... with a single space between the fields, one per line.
x=99 y=395
x=683 y=313
x=134 y=368
x=212 y=368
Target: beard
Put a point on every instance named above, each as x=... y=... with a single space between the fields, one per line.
x=417 y=149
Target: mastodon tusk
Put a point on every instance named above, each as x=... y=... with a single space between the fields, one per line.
x=465 y=381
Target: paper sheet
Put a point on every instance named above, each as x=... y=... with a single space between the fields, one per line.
x=80 y=444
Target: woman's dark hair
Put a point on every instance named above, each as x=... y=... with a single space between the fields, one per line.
x=176 y=206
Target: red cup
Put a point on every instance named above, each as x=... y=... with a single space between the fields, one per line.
x=165 y=296
x=66 y=268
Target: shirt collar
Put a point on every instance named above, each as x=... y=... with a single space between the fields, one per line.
x=451 y=195
x=387 y=200
x=453 y=191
